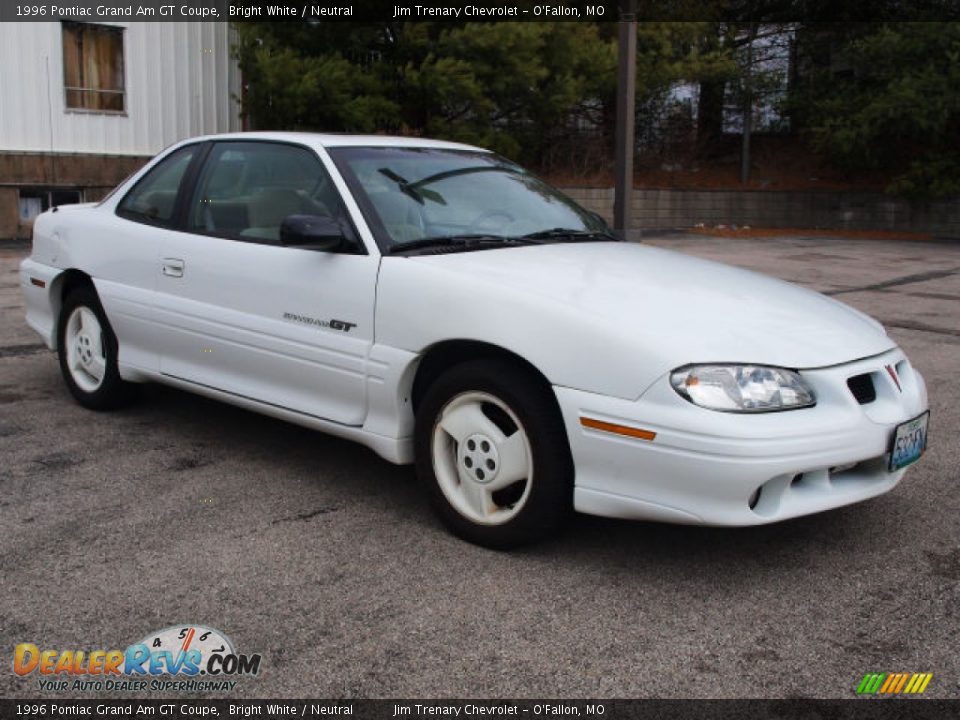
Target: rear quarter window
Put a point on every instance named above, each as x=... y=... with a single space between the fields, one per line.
x=153 y=199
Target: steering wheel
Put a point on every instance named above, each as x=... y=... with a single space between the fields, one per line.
x=506 y=219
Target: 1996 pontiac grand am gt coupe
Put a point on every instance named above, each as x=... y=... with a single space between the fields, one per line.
x=443 y=306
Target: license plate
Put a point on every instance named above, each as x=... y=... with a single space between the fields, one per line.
x=909 y=442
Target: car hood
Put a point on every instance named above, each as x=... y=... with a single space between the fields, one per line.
x=683 y=309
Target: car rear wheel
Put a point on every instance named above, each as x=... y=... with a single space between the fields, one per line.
x=87 y=350
x=492 y=450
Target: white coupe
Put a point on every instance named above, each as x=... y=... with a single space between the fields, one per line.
x=441 y=305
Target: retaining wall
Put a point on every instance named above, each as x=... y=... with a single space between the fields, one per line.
x=666 y=208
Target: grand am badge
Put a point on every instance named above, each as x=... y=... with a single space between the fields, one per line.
x=333 y=324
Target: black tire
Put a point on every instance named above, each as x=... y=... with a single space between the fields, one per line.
x=547 y=503
x=112 y=391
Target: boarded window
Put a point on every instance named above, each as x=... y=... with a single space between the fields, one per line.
x=93 y=67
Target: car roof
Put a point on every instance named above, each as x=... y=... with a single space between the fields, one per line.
x=330 y=140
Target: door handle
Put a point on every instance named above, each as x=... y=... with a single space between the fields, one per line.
x=173 y=267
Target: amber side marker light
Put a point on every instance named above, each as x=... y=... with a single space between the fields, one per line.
x=618 y=429
x=37 y=282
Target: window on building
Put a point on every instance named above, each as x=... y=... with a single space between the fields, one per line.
x=93 y=67
x=34 y=201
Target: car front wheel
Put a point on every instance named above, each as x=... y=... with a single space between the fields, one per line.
x=87 y=350
x=493 y=452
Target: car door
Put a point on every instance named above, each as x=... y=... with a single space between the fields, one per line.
x=126 y=269
x=242 y=313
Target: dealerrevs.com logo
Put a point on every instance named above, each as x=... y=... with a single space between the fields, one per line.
x=181 y=658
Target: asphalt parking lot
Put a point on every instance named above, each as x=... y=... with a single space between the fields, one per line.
x=325 y=559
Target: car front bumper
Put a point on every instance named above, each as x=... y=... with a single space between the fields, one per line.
x=716 y=468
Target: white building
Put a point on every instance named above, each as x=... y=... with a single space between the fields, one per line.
x=82 y=105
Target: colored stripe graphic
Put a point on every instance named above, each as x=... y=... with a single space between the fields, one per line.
x=894 y=683
x=870 y=683
x=927 y=677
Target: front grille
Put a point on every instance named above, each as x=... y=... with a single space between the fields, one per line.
x=862 y=388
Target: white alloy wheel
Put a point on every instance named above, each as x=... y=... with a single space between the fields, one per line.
x=87 y=352
x=475 y=460
x=492 y=450
x=86 y=355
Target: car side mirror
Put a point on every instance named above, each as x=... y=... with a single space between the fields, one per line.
x=314 y=232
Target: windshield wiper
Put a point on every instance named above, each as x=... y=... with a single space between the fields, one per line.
x=460 y=171
x=568 y=235
x=485 y=241
x=459 y=242
x=411 y=189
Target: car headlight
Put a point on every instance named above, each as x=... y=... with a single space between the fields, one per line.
x=742 y=388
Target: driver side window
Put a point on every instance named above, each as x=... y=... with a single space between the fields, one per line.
x=247 y=189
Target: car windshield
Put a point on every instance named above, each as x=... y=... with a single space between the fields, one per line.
x=422 y=197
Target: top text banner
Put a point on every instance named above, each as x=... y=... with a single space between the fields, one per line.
x=477 y=11
x=307 y=10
